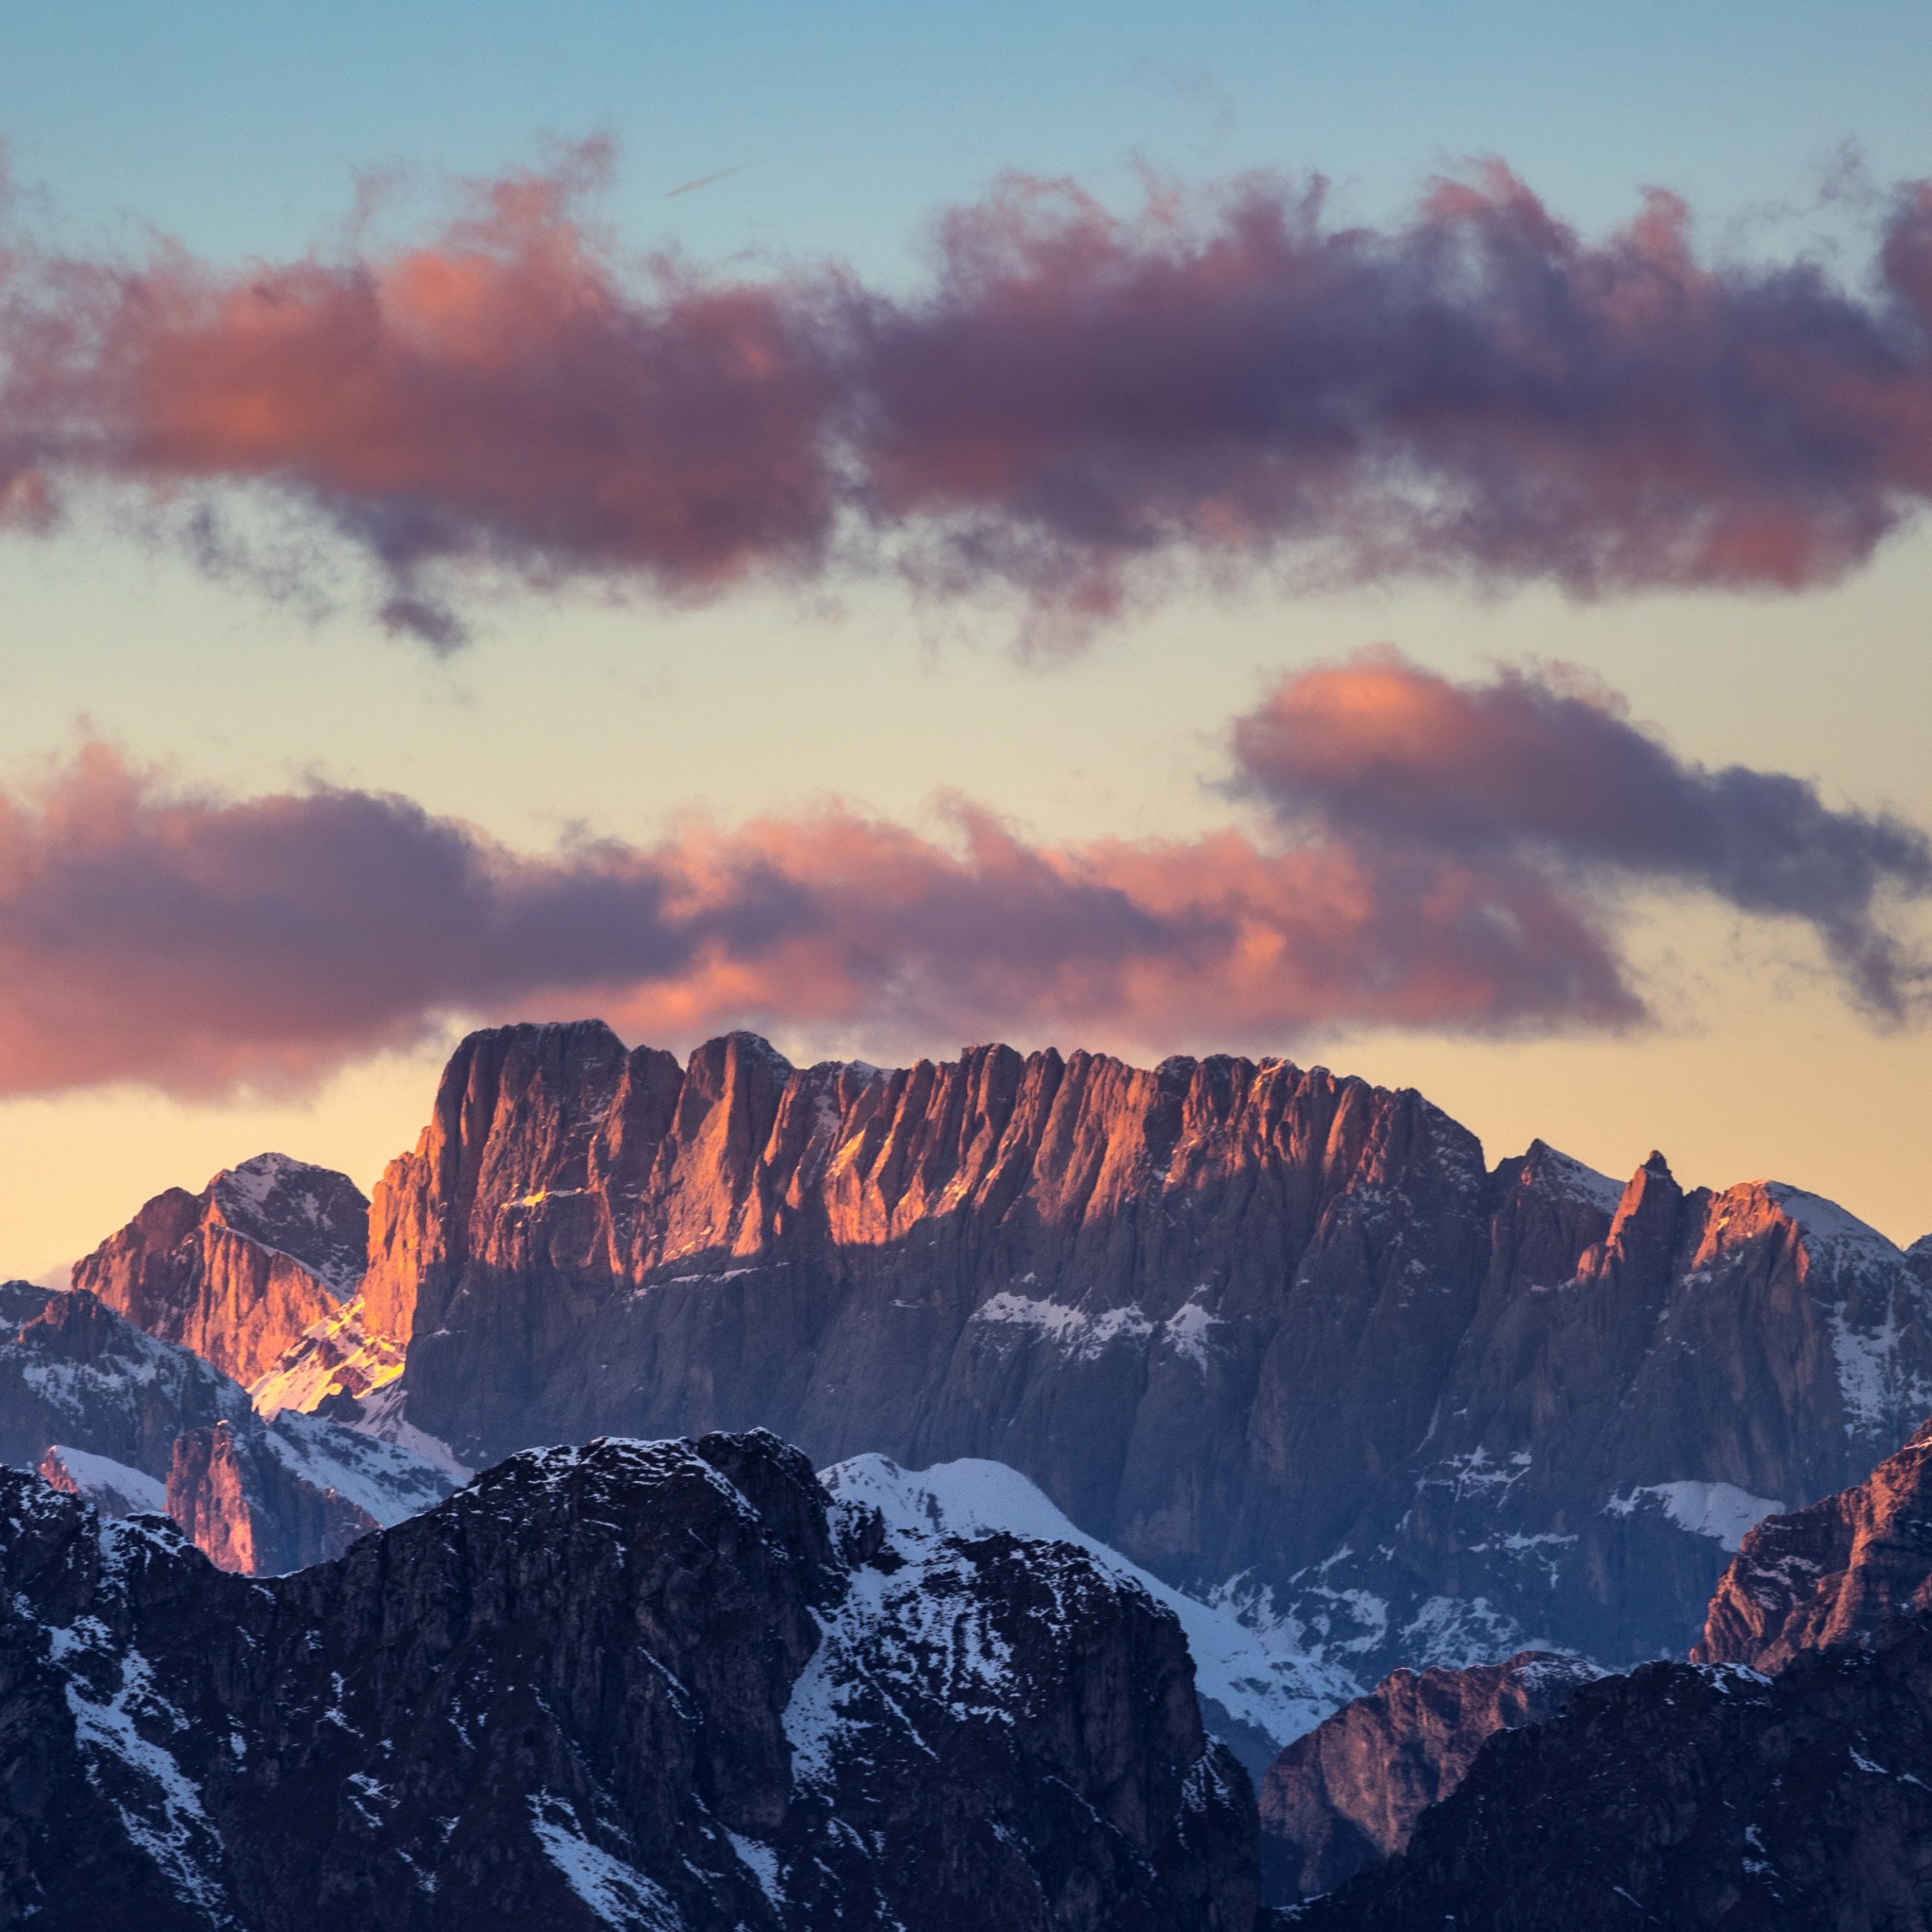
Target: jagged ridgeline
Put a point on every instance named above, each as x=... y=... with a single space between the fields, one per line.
x=1276 y=1335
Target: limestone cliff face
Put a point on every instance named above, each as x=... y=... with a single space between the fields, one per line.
x=636 y=1685
x=238 y=1272
x=1832 y=1573
x=1348 y=1794
x=247 y=1512
x=1245 y=1322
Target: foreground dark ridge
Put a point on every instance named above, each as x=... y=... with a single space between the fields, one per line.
x=647 y=1686
x=1689 y=1797
x=1253 y=1324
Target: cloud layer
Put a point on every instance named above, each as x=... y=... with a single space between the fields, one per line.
x=1076 y=405
x=1444 y=856
x=1546 y=770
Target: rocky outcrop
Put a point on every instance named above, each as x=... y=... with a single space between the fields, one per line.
x=631 y=1686
x=241 y=1509
x=1270 y=1332
x=264 y=1499
x=1832 y=1573
x=1256 y=1696
x=239 y=1272
x=113 y=1489
x=1685 y=1797
x=131 y=1423
x=1347 y=1795
x=74 y=1373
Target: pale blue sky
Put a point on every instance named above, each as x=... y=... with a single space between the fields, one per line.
x=237 y=126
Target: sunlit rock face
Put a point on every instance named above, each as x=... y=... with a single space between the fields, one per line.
x=241 y=1271
x=1832 y=1573
x=267 y=1498
x=642 y=1684
x=1278 y=1336
x=1348 y=1794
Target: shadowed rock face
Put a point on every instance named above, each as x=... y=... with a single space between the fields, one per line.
x=74 y=1372
x=240 y=1271
x=1348 y=1794
x=1831 y=1574
x=634 y=1686
x=1254 y=1326
x=132 y=1424
x=1685 y=1797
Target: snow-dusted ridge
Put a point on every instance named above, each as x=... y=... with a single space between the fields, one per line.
x=1256 y=1674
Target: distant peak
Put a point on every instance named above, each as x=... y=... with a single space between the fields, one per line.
x=260 y=1172
x=755 y=1045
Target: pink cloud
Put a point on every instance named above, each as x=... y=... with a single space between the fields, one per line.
x=199 y=943
x=1075 y=405
x=1544 y=769
x=1440 y=855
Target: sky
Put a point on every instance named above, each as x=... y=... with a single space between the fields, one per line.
x=898 y=530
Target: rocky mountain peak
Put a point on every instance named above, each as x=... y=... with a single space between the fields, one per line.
x=241 y=1271
x=1643 y=1232
x=312 y=1214
x=1239 y=1319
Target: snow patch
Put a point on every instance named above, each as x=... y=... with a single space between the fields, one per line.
x=1190 y=1332
x=1829 y=1230
x=761 y=1861
x=1083 y=1335
x=1566 y=1174
x=1882 y=1397
x=618 y=1894
x=382 y=1415
x=1715 y=1509
x=1457 y=1632
x=336 y=1352
x=111 y=1487
x=1477 y=1472
x=160 y=1805
x=384 y=1479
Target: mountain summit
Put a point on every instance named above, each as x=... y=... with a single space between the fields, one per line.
x=241 y=1271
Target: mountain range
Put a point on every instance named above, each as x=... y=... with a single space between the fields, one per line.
x=1280 y=1337
x=1417 y=1458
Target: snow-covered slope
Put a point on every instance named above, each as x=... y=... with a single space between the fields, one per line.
x=382 y=1479
x=335 y=1356
x=1260 y=1680
x=112 y=1488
